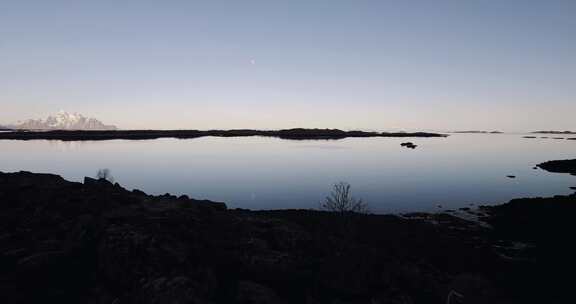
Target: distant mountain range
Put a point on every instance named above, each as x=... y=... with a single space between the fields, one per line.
x=62 y=121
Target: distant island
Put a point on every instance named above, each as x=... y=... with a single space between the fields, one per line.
x=62 y=121
x=479 y=132
x=294 y=134
x=554 y=132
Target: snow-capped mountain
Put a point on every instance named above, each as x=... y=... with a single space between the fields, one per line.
x=63 y=121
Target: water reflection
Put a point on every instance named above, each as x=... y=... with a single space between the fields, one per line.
x=66 y=146
x=269 y=173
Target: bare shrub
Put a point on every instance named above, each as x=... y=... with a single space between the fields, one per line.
x=341 y=200
x=105 y=174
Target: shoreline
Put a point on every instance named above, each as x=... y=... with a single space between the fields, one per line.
x=292 y=134
x=96 y=242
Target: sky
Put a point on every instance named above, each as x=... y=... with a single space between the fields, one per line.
x=373 y=65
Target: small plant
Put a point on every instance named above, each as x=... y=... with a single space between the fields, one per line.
x=340 y=200
x=105 y=174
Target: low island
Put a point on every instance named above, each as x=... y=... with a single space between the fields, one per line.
x=478 y=132
x=295 y=134
x=555 y=132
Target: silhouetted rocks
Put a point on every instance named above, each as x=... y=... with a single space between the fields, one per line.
x=539 y=229
x=408 y=145
x=295 y=134
x=560 y=166
x=95 y=242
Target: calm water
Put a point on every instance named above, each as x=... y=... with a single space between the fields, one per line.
x=269 y=173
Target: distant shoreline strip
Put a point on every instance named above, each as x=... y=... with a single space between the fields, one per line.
x=293 y=134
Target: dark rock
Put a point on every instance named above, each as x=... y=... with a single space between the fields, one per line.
x=253 y=293
x=42 y=259
x=64 y=242
x=408 y=145
x=177 y=290
x=139 y=192
x=560 y=166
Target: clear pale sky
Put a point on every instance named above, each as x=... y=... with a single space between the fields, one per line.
x=375 y=65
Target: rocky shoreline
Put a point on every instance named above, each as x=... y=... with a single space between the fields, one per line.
x=96 y=242
x=294 y=134
x=560 y=166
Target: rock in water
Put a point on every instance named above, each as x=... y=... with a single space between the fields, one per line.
x=408 y=145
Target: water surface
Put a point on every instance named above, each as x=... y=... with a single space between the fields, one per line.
x=271 y=173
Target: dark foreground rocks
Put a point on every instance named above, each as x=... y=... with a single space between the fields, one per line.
x=544 y=228
x=65 y=242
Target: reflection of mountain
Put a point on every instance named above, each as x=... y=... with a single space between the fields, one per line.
x=64 y=121
x=67 y=146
